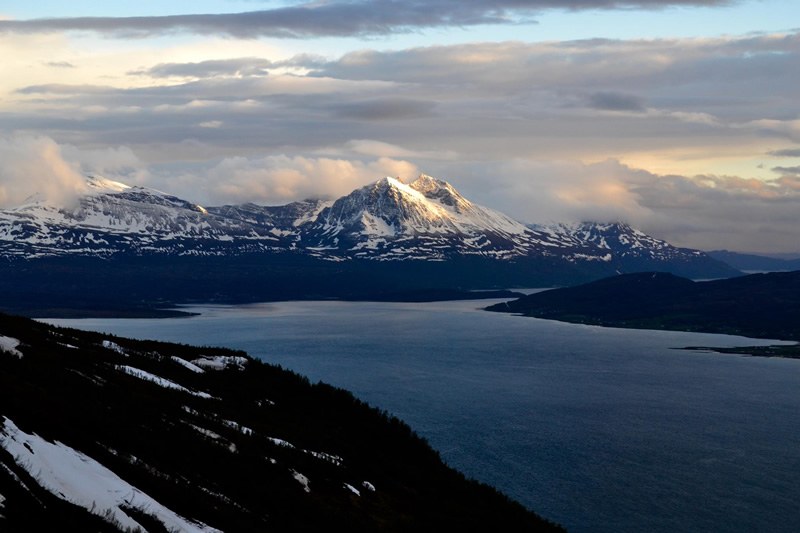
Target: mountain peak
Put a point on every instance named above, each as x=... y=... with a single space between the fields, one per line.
x=425 y=182
x=442 y=192
x=99 y=184
x=397 y=184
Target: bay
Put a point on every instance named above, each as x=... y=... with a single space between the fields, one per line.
x=598 y=429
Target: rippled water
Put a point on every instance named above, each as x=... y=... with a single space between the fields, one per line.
x=598 y=429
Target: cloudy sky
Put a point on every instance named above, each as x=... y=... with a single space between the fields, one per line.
x=681 y=117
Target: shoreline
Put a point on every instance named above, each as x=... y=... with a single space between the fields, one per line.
x=790 y=351
x=173 y=309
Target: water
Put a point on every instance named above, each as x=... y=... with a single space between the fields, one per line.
x=598 y=429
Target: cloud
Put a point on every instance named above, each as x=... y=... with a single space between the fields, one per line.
x=65 y=89
x=545 y=192
x=36 y=166
x=336 y=18
x=375 y=148
x=276 y=180
x=786 y=170
x=59 y=64
x=788 y=152
x=385 y=109
x=242 y=66
x=704 y=212
x=713 y=212
x=120 y=162
x=481 y=100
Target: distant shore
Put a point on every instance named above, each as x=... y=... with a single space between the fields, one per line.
x=80 y=312
x=172 y=310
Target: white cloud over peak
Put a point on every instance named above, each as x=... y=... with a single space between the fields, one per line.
x=33 y=165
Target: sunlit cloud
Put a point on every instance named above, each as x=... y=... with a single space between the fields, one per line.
x=35 y=168
x=275 y=180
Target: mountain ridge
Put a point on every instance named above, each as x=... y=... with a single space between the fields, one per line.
x=386 y=220
x=136 y=248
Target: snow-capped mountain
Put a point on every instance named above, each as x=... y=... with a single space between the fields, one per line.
x=113 y=218
x=386 y=221
x=624 y=243
x=424 y=219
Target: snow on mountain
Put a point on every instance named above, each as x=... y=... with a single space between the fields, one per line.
x=115 y=218
x=424 y=219
x=388 y=220
x=622 y=241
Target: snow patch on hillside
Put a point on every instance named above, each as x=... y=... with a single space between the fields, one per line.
x=9 y=345
x=221 y=362
x=158 y=380
x=114 y=347
x=77 y=478
x=303 y=480
x=191 y=366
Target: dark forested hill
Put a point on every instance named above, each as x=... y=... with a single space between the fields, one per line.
x=758 y=305
x=100 y=434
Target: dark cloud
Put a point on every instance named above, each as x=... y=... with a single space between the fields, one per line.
x=60 y=64
x=63 y=89
x=787 y=170
x=789 y=152
x=337 y=18
x=243 y=66
x=609 y=101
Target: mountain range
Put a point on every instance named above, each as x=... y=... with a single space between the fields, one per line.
x=385 y=238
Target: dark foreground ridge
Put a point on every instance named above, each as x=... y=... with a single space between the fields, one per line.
x=99 y=433
x=759 y=305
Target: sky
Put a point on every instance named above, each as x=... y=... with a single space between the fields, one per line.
x=680 y=117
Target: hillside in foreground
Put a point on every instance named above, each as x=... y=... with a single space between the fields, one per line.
x=758 y=305
x=99 y=433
